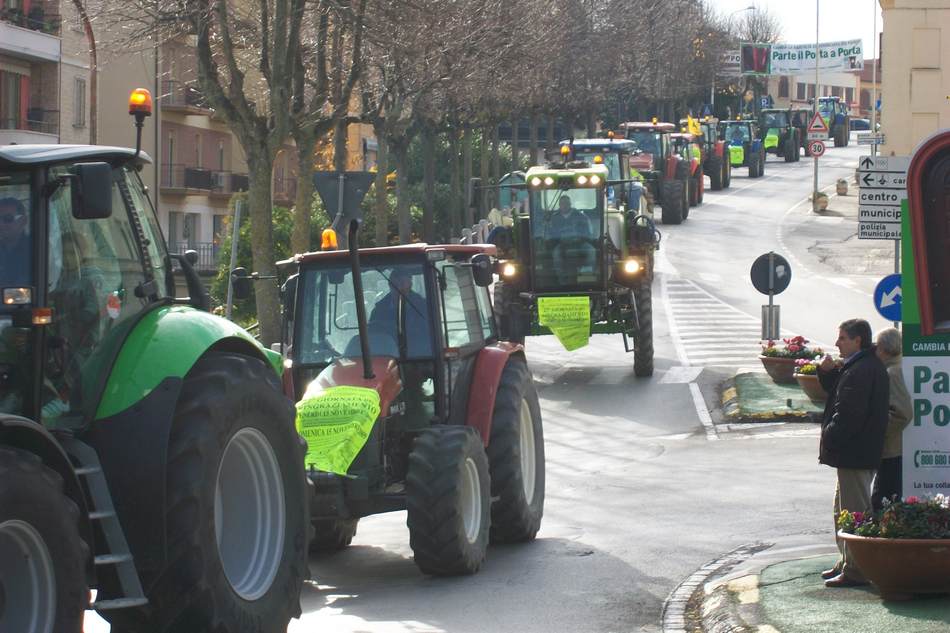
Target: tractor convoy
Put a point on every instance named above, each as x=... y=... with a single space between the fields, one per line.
x=133 y=422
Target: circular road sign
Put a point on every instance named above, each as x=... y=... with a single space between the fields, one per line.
x=887 y=297
x=817 y=148
x=771 y=273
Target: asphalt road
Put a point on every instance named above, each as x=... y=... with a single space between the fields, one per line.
x=642 y=486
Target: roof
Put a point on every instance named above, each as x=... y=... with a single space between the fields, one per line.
x=541 y=170
x=417 y=249
x=649 y=125
x=40 y=154
x=603 y=144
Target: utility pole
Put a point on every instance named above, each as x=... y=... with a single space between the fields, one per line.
x=814 y=189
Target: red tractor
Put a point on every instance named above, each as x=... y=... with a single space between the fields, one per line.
x=408 y=400
x=688 y=146
x=660 y=166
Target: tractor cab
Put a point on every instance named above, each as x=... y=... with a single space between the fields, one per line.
x=404 y=392
x=837 y=117
x=616 y=155
x=664 y=174
x=745 y=144
x=781 y=136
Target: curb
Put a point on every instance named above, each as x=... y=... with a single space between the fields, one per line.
x=683 y=613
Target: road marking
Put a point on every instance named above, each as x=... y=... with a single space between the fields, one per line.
x=680 y=375
x=703 y=413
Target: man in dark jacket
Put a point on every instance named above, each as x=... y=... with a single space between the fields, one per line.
x=852 y=430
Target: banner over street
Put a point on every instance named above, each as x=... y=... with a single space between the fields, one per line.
x=797 y=59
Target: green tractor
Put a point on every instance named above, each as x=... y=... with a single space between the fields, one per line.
x=838 y=119
x=782 y=138
x=745 y=145
x=409 y=401
x=133 y=423
x=573 y=265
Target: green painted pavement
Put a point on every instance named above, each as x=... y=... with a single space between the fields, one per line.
x=758 y=397
x=793 y=599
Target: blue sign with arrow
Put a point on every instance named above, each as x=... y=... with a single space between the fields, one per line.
x=887 y=297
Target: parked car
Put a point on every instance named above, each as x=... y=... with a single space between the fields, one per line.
x=860 y=124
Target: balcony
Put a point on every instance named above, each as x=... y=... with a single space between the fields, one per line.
x=207 y=254
x=224 y=183
x=184 y=178
x=33 y=36
x=178 y=96
x=41 y=126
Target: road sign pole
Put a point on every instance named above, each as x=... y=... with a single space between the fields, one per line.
x=897 y=268
x=874 y=79
x=814 y=188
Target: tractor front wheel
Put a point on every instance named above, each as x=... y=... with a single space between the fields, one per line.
x=693 y=191
x=716 y=172
x=237 y=515
x=448 y=500
x=726 y=174
x=516 y=457
x=700 y=185
x=643 y=340
x=674 y=199
x=42 y=556
x=332 y=535
x=791 y=149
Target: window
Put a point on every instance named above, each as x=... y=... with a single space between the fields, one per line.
x=865 y=99
x=849 y=96
x=836 y=91
x=461 y=316
x=175 y=222
x=79 y=102
x=783 y=87
x=10 y=114
x=800 y=91
x=811 y=91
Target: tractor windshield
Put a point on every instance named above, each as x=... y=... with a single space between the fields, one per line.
x=566 y=225
x=611 y=162
x=775 y=120
x=16 y=271
x=396 y=308
x=737 y=133
x=648 y=142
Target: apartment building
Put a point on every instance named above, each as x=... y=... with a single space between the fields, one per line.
x=44 y=73
x=798 y=90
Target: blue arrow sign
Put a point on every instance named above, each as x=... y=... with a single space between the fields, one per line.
x=887 y=297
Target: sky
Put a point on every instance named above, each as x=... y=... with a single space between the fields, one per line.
x=839 y=19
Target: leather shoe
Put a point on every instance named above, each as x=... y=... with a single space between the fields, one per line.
x=828 y=574
x=841 y=581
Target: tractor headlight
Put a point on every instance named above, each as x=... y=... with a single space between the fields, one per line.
x=17 y=296
x=631 y=266
x=509 y=270
x=582 y=179
x=548 y=181
x=535 y=182
x=595 y=179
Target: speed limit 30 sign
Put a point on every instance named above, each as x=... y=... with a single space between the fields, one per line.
x=816 y=148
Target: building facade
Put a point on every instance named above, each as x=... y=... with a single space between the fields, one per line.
x=915 y=88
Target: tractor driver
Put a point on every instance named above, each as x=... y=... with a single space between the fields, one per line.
x=571 y=231
x=407 y=310
x=14 y=244
x=738 y=135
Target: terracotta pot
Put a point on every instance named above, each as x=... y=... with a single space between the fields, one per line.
x=900 y=568
x=781 y=370
x=812 y=387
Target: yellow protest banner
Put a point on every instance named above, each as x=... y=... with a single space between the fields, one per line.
x=568 y=318
x=336 y=425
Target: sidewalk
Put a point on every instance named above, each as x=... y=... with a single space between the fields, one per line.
x=776 y=588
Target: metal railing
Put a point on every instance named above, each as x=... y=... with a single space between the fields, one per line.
x=37 y=120
x=185 y=177
x=226 y=182
x=207 y=254
x=38 y=19
x=182 y=95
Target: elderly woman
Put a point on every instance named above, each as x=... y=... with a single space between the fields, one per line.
x=887 y=480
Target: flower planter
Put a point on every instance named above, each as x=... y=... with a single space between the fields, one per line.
x=900 y=568
x=812 y=387
x=781 y=370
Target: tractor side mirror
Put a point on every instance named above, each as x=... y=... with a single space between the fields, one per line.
x=191 y=257
x=482 y=270
x=92 y=191
x=288 y=295
x=240 y=283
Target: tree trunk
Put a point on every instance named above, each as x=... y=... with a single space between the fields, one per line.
x=533 y=141
x=484 y=173
x=515 y=150
x=455 y=184
x=467 y=216
x=428 y=184
x=339 y=145
x=300 y=235
x=400 y=152
x=382 y=198
x=260 y=207
x=591 y=124
x=495 y=165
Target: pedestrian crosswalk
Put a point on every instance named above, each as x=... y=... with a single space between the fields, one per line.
x=706 y=330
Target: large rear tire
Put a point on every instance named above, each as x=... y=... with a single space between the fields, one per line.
x=516 y=457
x=236 y=561
x=716 y=172
x=693 y=191
x=42 y=556
x=790 y=148
x=643 y=341
x=727 y=174
x=672 y=207
x=332 y=535
x=448 y=501
x=700 y=186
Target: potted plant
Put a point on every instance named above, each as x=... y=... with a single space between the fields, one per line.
x=779 y=361
x=806 y=374
x=904 y=549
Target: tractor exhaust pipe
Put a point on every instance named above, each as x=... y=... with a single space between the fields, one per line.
x=358 y=295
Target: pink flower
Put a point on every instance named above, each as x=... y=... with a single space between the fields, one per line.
x=911 y=499
x=794 y=348
x=858 y=518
